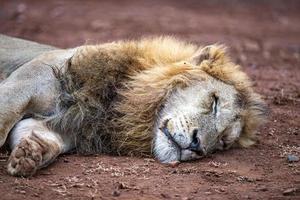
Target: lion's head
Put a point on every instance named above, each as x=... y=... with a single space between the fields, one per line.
x=195 y=106
x=209 y=113
x=198 y=120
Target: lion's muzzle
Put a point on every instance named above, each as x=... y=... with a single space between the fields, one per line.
x=194 y=141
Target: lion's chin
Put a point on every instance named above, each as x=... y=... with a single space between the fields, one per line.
x=172 y=156
x=167 y=152
x=187 y=155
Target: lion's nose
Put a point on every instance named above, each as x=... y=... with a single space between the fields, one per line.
x=196 y=143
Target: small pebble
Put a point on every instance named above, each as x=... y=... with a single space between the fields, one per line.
x=247 y=197
x=292 y=158
x=289 y=191
x=263 y=189
x=116 y=193
x=22 y=191
x=164 y=195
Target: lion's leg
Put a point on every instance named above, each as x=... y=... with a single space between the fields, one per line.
x=32 y=88
x=34 y=146
x=14 y=100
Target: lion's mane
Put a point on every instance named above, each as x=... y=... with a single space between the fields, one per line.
x=111 y=94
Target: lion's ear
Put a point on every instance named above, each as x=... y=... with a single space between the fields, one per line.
x=212 y=53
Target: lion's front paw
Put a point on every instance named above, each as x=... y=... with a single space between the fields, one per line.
x=25 y=159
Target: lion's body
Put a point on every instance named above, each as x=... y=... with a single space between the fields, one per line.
x=15 y=52
x=108 y=98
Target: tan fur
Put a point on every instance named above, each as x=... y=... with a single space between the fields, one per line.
x=159 y=95
x=116 y=91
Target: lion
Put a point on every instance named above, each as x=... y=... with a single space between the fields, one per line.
x=157 y=96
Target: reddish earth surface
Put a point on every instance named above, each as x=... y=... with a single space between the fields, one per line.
x=263 y=36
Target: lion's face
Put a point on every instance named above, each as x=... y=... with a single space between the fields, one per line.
x=198 y=120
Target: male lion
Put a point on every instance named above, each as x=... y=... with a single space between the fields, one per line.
x=158 y=95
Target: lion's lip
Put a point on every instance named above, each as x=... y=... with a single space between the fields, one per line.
x=167 y=133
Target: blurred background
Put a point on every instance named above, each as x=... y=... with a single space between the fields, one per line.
x=67 y=23
x=264 y=26
x=262 y=35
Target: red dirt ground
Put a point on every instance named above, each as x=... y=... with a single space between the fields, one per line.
x=263 y=36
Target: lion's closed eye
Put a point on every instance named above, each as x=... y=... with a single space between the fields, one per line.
x=209 y=105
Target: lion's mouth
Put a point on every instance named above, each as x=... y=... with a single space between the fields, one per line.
x=167 y=133
x=180 y=149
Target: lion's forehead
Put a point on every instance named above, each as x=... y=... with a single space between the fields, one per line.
x=200 y=93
